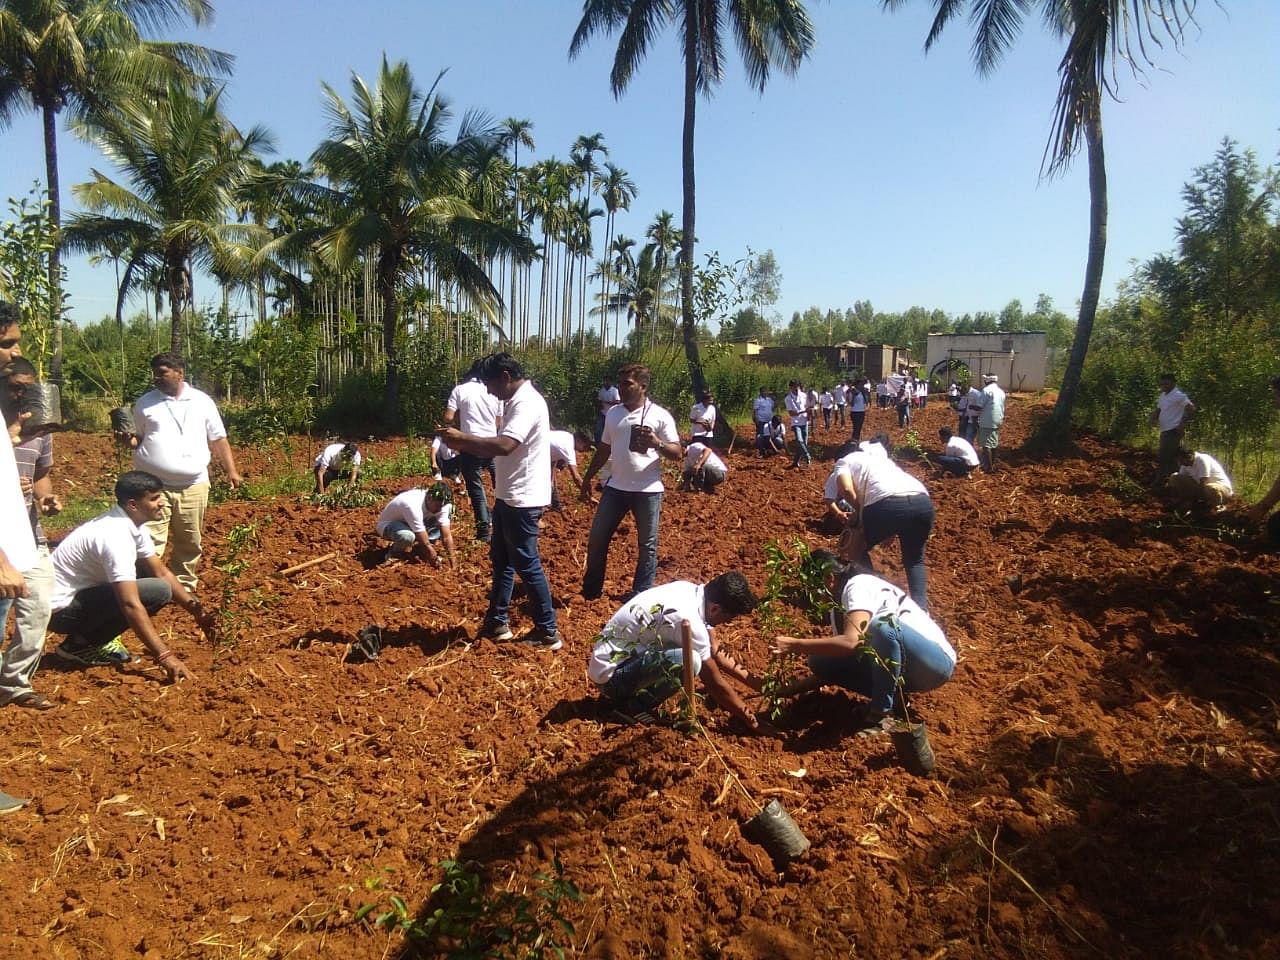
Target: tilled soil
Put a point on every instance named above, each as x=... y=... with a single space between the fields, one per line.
x=1105 y=784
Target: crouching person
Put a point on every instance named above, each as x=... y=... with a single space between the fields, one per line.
x=418 y=518
x=703 y=470
x=638 y=658
x=885 y=648
x=97 y=590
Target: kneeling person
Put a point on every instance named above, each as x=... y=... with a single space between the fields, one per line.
x=958 y=456
x=1200 y=482
x=337 y=461
x=639 y=657
x=703 y=470
x=416 y=518
x=97 y=592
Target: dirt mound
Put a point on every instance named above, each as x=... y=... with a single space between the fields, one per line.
x=1107 y=751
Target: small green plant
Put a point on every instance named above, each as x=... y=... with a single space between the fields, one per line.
x=912 y=446
x=798 y=577
x=1120 y=484
x=779 y=673
x=232 y=562
x=345 y=495
x=469 y=922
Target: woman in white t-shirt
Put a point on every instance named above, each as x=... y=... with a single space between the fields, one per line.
x=883 y=646
x=417 y=518
x=890 y=503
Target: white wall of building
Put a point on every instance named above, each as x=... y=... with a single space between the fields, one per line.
x=1020 y=360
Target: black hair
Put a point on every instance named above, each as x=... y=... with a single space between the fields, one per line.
x=1185 y=452
x=1168 y=376
x=473 y=371
x=440 y=491
x=884 y=441
x=349 y=449
x=495 y=365
x=9 y=314
x=732 y=592
x=944 y=433
x=136 y=483
x=170 y=360
x=19 y=367
x=637 y=372
x=826 y=559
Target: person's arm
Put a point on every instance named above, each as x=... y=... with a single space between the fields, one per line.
x=1188 y=412
x=702 y=460
x=13 y=585
x=724 y=694
x=433 y=555
x=844 y=644
x=486 y=448
x=221 y=451
x=730 y=667
x=572 y=466
x=450 y=417
x=446 y=538
x=319 y=472
x=844 y=484
x=670 y=449
x=42 y=492
x=136 y=614
x=598 y=460
x=355 y=471
x=834 y=511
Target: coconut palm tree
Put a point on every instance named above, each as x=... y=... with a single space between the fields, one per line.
x=770 y=34
x=1100 y=34
x=184 y=163
x=85 y=56
x=399 y=189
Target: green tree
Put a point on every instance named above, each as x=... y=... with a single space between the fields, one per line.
x=399 y=189
x=770 y=34
x=184 y=162
x=87 y=56
x=1099 y=35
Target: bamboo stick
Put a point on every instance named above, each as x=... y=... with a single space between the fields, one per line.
x=307 y=563
x=686 y=640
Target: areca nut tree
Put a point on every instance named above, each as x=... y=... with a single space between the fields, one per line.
x=1100 y=35
x=770 y=34
x=617 y=190
x=399 y=188
x=184 y=163
x=86 y=56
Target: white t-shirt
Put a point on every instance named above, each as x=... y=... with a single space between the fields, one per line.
x=973 y=409
x=174 y=434
x=873 y=448
x=1172 y=407
x=476 y=408
x=331 y=457
x=608 y=396
x=839 y=394
x=798 y=407
x=442 y=450
x=1204 y=467
x=523 y=477
x=813 y=399
x=826 y=400
x=411 y=508
x=857 y=401
x=882 y=599
x=562 y=448
x=762 y=409
x=637 y=472
x=776 y=431
x=651 y=620
x=883 y=389
x=16 y=538
x=875 y=478
x=703 y=417
x=962 y=448
x=104 y=550
x=695 y=452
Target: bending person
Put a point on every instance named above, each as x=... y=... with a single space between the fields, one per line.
x=886 y=647
x=418 y=518
x=337 y=461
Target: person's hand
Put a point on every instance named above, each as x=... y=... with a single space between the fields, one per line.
x=448 y=435
x=584 y=492
x=780 y=646
x=15 y=428
x=176 y=671
x=50 y=505
x=13 y=586
x=25 y=484
x=234 y=479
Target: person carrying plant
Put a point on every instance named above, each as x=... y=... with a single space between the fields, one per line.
x=638 y=434
x=418 y=518
x=637 y=660
x=177 y=431
x=889 y=502
x=97 y=592
x=1201 y=482
x=337 y=461
x=34 y=457
x=883 y=646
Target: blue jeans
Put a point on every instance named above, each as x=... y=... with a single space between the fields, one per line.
x=904 y=414
x=472 y=469
x=955 y=466
x=514 y=549
x=910 y=519
x=899 y=651
x=646 y=679
x=402 y=538
x=614 y=505
x=94 y=617
x=802 y=443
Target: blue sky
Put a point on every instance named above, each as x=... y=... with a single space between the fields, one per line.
x=876 y=173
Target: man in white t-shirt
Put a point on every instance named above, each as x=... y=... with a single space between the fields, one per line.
x=565 y=447
x=638 y=658
x=177 y=431
x=17 y=542
x=797 y=403
x=444 y=462
x=606 y=399
x=958 y=456
x=703 y=470
x=474 y=412
x=337 y=461
x=417 y=518
x=638 y=434
x=840 y=397
x=1200 y=481
x=762 y=411
x=522 y=490
x=773 y=439
x=702 y=419
x=1173 y=409
x=97 y=592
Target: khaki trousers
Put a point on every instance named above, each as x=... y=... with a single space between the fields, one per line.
x=181 y=527
x=1212 y=493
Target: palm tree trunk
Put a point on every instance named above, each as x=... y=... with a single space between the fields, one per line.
x=49 y=118
x=687 y=323
x=388 y=270
x=1056 y=428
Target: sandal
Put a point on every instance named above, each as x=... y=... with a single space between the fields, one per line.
x=33 y=701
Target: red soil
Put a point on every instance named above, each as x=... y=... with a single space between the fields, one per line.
x=1111 y=733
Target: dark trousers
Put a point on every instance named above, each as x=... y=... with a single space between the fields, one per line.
x=513 y=550
x=910 y=519
x=94 y=617
x=472 y=469
x=955 y=466
x=857 y=417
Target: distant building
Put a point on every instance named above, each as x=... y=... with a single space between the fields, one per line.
x=876 y=360
x=1020 y=360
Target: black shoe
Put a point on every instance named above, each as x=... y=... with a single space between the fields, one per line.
x=495 y=631
x=541 y=640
